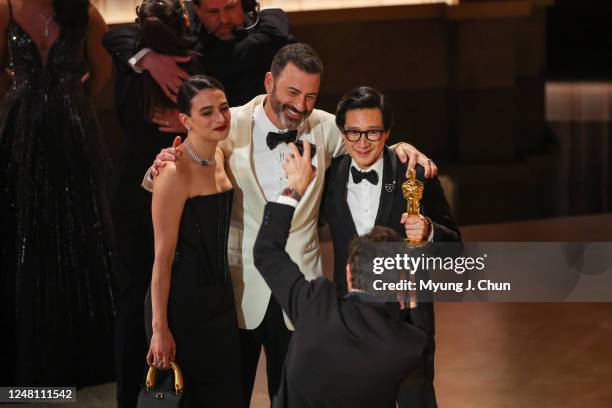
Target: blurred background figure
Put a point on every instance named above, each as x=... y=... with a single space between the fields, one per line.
x=55 y=246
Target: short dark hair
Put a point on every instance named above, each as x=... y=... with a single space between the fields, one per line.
x=361 y=252
x=364 y=97
x=162 y=27
x=191 y=87
x=301 y=55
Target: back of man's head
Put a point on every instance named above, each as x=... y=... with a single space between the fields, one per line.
x=362 y=250
x=303 y=56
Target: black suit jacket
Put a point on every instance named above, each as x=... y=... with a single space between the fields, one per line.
x=346 y=352
x=392 y=204
x=240 y=64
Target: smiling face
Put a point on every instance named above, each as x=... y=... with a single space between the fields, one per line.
x=363 y=151
x=221 y=17
x=292 y=95
x=210 y=115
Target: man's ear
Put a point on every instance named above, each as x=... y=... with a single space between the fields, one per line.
x=269 y=82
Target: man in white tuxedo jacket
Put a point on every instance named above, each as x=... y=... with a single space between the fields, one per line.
x=254 y=152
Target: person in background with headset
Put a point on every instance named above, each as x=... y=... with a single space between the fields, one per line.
x=236 y=40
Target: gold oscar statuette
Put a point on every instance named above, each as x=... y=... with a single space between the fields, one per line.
x=413 y=192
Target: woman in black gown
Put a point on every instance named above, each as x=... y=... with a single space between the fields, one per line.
x=55 y=251
x=190 y=306
x=162 y=26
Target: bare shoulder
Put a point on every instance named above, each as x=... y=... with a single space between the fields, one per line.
x=173 y=177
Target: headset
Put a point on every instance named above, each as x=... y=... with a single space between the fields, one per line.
x=251 y=10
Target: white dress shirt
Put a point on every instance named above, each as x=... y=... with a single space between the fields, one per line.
x=363 y=198
x=268 y=163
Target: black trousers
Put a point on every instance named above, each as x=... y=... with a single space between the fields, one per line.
x=135 y=259
x=274 y=336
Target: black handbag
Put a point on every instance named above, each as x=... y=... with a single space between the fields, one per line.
x=162 y=396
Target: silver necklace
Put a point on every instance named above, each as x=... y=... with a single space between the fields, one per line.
x=197 y=158
x=47 y=21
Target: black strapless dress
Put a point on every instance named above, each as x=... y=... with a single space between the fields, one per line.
x=201 y=310
x=55 y=248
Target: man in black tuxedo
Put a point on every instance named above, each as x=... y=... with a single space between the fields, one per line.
x=364 y=189
x=350 y=352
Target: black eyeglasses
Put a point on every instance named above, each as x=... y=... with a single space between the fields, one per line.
x=353 y=135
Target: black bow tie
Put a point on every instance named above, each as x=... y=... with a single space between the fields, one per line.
x=274 y=139
x=371 y=176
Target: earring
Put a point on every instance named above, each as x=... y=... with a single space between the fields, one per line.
x=189 y=129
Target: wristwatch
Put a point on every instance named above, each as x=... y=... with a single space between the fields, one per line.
x=290 y=192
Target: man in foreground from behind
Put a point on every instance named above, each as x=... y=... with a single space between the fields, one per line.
x=348 y=352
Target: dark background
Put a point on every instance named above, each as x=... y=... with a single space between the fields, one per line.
x=579 y=39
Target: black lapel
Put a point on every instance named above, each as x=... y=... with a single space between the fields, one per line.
x=389 y=187
x=340 y=190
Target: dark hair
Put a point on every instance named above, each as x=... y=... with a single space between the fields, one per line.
x=162 y=26
x=193 y=86
x=301 y=55
x=361 y=252
x=163 y=30
x=364 y=97
x=72 y=15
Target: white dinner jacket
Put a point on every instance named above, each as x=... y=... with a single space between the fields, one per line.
x=251 y=292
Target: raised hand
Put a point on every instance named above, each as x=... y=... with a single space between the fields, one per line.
x=299 y=169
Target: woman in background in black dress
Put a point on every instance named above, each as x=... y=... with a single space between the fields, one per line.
x=190 y=306
x=55 y=246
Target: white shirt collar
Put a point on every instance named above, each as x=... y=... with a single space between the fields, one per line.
x=260 y=117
